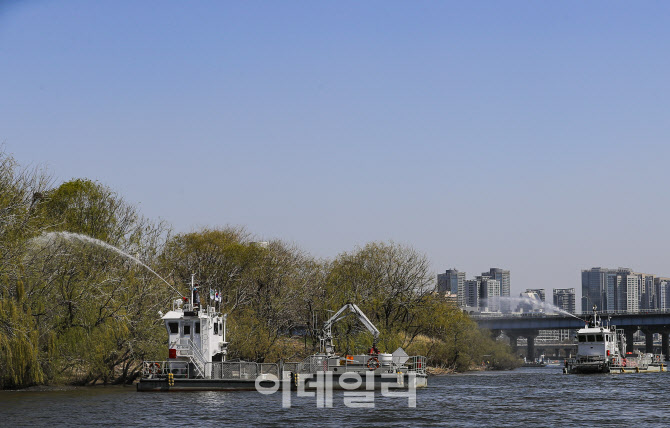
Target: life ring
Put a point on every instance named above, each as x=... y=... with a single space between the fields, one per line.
x=157 y=368
x=373 y=363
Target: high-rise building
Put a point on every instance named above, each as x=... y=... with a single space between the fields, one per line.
x=647 y=291
x=471 y=293
x=531 y=301
x=613 y=283
x=662 y=286
x=452 y=281
x=483 y=292
x=538 y=291
x=594 y=284
x=632 y=290
x=622 y=289
x=605 y=288
x=564 y=298
x=489 y=294
x=503 y=277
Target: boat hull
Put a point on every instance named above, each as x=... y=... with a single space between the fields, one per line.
x=308 y=383
x=178 y=385
x=648 y=369
x=589 y=368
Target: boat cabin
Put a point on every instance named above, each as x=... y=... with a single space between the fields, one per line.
x=196 y=334
x=594 y=342
x=596 y=339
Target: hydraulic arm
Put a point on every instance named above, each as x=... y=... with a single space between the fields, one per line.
x=326 y=332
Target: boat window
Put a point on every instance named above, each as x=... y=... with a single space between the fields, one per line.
x=582 y=338
x=599 y=337
x=220 y=329
x=216 y=328
x=174 y=327
x=187 y=329
x=591 y=338
x=197 y=327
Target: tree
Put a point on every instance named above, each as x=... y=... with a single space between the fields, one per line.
x=97 y=303
x=389 y=282
x=262 y=284
x=73 y=309
x=20 y=193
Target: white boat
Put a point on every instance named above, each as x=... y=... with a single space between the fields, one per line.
x=198 y=349
x=601 y=349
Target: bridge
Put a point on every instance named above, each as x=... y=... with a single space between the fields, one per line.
x=529 y=325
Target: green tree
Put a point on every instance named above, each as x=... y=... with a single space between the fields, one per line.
x=72 y=310
x=262 y=284
x=98 y=303
x=20 y=195
x=389 y=282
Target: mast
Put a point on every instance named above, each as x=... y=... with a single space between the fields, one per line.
x=192 y=285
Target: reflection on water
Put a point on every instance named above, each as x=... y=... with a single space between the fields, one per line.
x=537 y=396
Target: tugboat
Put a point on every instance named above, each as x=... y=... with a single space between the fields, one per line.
x=197 y=352
x=601 y=349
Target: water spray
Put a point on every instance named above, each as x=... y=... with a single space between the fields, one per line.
x=534 y=304
x=49 y=237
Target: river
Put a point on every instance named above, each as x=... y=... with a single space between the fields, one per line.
x=523 y=397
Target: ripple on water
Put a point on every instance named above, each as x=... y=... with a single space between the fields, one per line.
x=538 y=396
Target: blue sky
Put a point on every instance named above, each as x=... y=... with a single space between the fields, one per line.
x=526 y=135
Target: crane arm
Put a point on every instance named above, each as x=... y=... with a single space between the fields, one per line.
x=327 y=336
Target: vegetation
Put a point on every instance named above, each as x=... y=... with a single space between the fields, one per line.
x=73 y=312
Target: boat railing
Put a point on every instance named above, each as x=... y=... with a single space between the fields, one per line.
x=242 y=370
x=235 y=370
x=216 y=370
x=198 y=359
x=319 y=363
x=161 y=369
x=588 y=359
x=291 y=366
x=416 y=364
x=269 y=368
x=251 y=370
x=311 y=364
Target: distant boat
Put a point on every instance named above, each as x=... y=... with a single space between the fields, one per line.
x=601 y=349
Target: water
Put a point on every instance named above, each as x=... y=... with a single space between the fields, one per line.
x=50 y=237
x=523 y=397
x=534 y=304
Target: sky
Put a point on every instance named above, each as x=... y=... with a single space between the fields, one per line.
x=526 y=135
